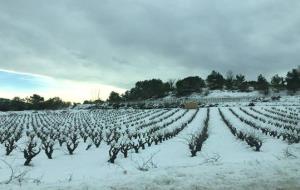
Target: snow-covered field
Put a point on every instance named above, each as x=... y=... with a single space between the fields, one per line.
x=157 y=140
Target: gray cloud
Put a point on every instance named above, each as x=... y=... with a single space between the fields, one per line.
x=119 y=42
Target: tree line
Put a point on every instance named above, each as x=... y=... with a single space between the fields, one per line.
x=34 y=102
x=156 y=88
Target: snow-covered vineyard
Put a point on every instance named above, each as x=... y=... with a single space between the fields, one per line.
x=226 y=147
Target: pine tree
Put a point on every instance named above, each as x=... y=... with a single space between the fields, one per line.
x=241 y=83
x=293 y=80
x=277 y=83
x=114 y=97
x=262 y=84
x=215 y=81
x=189 y=85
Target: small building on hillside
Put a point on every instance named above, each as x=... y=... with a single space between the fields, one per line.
x=190 y=105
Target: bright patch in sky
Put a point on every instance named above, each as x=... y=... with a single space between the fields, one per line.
x=23 y=85
x=21 y=82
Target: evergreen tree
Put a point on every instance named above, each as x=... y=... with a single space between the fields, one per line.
x=4 y=104
x=262 y=84
x=153 y=88
x=277 y=83
x=215 y=81
x=55 y=103
x=36 y=102
x=17 y=104
x=189 y=85
x=114 y=97
x=241 y=83
x=293 y=80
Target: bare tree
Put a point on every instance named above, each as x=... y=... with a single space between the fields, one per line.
x=31 y=150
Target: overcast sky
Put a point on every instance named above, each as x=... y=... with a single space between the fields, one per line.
x=116 y=43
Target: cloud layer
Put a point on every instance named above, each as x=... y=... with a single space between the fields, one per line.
x=119 y=42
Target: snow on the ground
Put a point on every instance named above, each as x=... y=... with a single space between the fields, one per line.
x=219 y=94
x=231 y=94
x=205 y=173
x=271 y=146
x=224 y=163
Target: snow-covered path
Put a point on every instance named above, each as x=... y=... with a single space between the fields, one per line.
x=223 y=144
